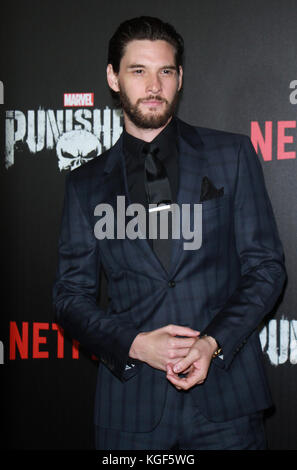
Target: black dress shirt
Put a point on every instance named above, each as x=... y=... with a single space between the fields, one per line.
x=132 y=146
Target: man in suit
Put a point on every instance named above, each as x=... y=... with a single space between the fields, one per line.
x=181 y=361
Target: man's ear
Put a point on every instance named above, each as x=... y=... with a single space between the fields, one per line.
x=180 y=78
x=112 y=78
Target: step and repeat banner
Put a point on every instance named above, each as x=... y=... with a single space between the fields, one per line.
x=57 y=113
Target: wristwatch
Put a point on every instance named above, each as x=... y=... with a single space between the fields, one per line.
x=218 y=351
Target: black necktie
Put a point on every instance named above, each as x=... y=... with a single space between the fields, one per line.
x=158 y=191
x=156 y=180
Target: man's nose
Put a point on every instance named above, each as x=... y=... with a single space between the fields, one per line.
x=154 y=84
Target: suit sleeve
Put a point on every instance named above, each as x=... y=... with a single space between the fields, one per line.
x=76 y=289
x=261 y=258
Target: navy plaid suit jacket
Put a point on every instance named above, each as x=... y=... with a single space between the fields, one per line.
x=225 y=288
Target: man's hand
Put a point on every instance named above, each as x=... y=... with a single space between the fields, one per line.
x=162 y=346
x=196 y=364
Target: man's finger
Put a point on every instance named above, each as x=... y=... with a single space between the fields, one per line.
x=181 y=330
x=169 y=368
x=184 y=383
x=178 y=354
x=183 y=342
x=170 y=373
x=186 y=362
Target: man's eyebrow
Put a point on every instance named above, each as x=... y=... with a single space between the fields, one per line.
x=171 y=67
x=137 y=66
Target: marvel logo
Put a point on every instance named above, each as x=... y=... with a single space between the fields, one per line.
x=78 y=99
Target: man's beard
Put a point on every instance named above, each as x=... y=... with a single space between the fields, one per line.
x=151 y=121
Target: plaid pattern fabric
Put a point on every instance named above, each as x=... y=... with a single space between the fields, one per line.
x=224 y=289
x=183 y=427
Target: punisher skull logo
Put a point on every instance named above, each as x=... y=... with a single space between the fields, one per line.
x=75 y=148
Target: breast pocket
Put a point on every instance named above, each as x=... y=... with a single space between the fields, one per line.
x=214 y=203
x=216 y=218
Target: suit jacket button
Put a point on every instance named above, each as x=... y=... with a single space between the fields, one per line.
x=171 y=283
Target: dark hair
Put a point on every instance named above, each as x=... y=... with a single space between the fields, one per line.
x=143 y=27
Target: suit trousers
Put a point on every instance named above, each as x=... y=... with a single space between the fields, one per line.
x=183 y=427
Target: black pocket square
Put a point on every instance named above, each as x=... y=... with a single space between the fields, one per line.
x=209 y=191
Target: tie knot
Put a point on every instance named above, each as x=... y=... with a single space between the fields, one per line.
x=150 y=149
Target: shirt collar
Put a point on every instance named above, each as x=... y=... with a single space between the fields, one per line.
x=166 y=141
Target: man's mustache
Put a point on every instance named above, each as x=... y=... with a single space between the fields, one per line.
x=152 y=98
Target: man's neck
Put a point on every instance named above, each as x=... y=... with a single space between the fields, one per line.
x=144 y=134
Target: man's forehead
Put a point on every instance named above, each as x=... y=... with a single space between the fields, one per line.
x=145 y=49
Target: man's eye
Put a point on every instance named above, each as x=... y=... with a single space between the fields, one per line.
x=167 y=71
x=138 y=71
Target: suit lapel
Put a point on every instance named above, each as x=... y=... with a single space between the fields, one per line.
x=117 y=185
x=192 y=163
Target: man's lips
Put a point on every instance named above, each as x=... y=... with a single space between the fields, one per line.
x=153 y=102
